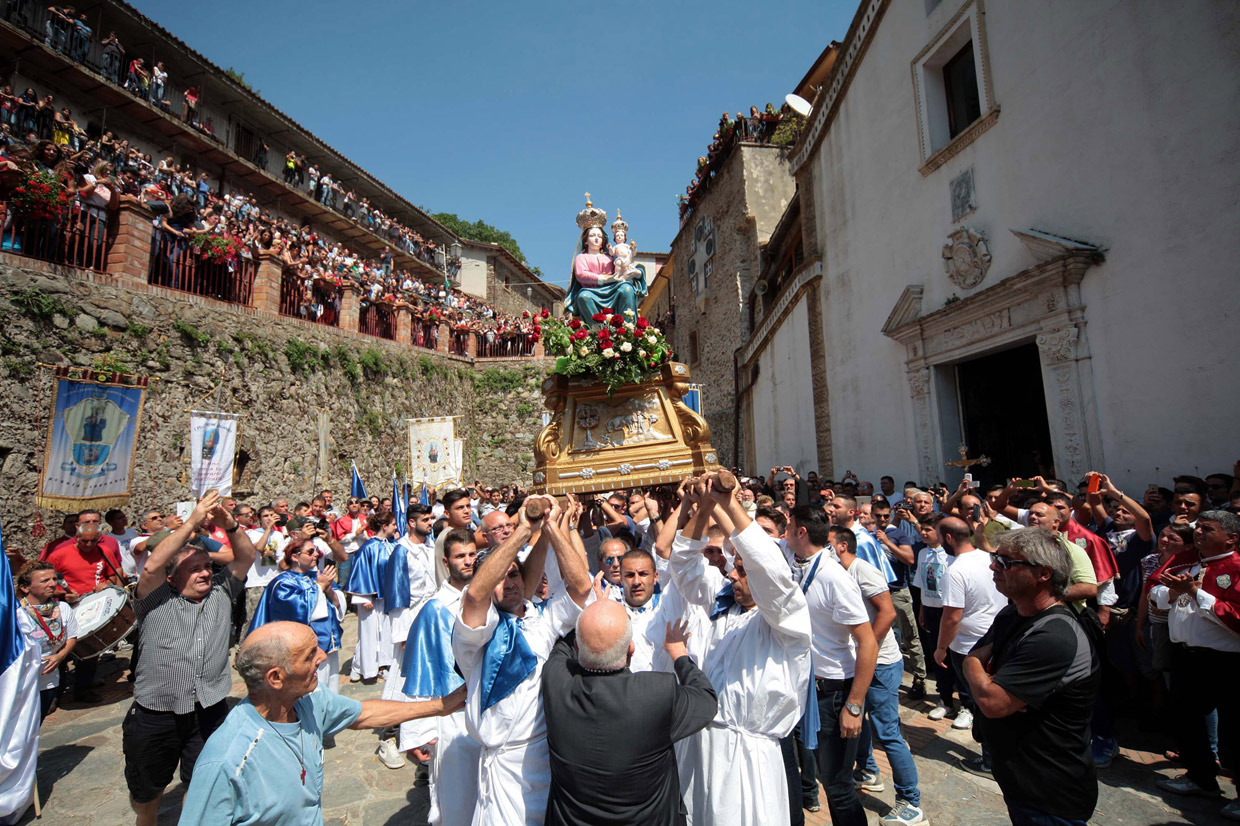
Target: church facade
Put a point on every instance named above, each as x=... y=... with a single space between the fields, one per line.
x=1014 y=232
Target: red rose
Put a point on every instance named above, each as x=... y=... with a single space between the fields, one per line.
x=546 y=313
x=537 y=330
x=642 y=323
x=604 y=334
x=525 y=314
x=575 y=324
x=599 y=316
x=608 y=311
x=617 y=321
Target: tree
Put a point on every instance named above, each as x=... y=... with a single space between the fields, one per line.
x=239 y=77
x=480 y=231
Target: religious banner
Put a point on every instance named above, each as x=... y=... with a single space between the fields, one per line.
x=432 y=451
x=458 y=450
x=90 y=440
x=212 y=446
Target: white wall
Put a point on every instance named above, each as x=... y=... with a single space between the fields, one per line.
x=1118 y=127
x=782 y=399
x=473 y=274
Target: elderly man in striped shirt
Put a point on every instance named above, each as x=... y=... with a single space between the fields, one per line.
x=186 y=615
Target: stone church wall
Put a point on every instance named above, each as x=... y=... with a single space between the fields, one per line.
x=277 y=372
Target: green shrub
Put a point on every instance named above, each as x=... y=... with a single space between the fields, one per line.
x=498 y=380
x=191 y=334
x=302 y=357
x=34 y=304
x=373 y=363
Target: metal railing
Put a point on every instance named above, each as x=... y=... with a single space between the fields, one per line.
x=306 y=299
x=491 y=344
x=458 y=342
x=376 y=320
x=178 y=265
x=426 y=334
x=78 y=237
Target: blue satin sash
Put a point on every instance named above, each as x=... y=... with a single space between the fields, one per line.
x=429 y=665
x=394 y=579
x=365 y=566
x=724 y=600
x=507 y=662
x=291 y=597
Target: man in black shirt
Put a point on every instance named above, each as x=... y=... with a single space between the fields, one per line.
x=1034 y=676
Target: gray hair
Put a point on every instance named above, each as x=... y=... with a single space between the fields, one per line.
x=256 y=658
x=1040 y=547
x=1228 y=521
x=185 y=551
x=609 y=659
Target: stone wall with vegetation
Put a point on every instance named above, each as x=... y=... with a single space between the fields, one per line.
x=278 y=372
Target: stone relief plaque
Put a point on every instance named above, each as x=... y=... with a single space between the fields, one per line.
x=964 y=198
x=966 y=257
x=637 y=420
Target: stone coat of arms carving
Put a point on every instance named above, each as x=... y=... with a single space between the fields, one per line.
x=966 y=258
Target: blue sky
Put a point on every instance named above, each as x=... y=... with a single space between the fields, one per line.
x=509 y=112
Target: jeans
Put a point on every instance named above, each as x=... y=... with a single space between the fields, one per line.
x=111 y=66
x=792 y=771
x=882 y=707
x=836 y=755
x=1025 y=815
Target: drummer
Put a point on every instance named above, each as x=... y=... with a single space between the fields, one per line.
x=48 y=625
x=184 y=613
x=89 y=561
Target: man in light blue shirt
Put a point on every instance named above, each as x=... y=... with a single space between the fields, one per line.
x=264 y=764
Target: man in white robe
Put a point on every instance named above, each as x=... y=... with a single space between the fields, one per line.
x=755 y=648
x=501 y=642
x=444 y=742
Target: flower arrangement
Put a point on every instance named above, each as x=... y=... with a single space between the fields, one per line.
x=217 y=248
x=41 y=196
x=623 y=349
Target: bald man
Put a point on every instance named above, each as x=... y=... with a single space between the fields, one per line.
x=610 y=552
x=264 y=764
x=590 y=694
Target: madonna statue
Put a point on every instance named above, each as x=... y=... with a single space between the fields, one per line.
x=596 y=284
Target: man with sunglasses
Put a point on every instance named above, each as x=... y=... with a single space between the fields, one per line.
x=1033 y=678
x=610 y=552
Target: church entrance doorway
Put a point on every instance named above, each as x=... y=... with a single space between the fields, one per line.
x=1002 y=413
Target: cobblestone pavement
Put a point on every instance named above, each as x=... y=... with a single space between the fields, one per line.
x=81 y=776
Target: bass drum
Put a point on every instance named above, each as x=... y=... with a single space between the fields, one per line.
x=104 y=619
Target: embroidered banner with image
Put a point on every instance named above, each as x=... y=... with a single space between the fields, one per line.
x=90 y=441
x=432 y=451
x=213 y=447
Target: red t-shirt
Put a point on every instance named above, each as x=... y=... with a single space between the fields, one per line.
x=342 y=527
x=1097 y=548
x=83 y=572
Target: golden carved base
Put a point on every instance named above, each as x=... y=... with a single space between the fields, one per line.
x=642 y=435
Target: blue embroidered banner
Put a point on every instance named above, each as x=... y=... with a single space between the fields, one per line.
x=693 y=398
x=91 y=440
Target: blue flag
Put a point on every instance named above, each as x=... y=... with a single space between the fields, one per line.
x=12 y=641
x=399 y=506
x=356 y=488
x=424 y=497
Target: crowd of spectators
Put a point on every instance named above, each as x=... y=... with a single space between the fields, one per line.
x=756 y=127
x=35 y=135
x=67 y=31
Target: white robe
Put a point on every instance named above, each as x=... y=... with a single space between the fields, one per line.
x=19 y=731
x=421 y=588
x=514 y=775
x=328 y=671
x=372 y=633
x=650 y=627
x=732 y=772
x=455 y=755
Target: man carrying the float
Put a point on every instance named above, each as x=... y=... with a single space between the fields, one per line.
x=306 y=595
x=365 y=573
x=755 y=648
x=429 y=672
x=501 y=642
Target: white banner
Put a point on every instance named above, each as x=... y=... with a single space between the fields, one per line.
x=432 y=451
x=212 y=445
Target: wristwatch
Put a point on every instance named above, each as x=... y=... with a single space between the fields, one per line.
x=853 y=708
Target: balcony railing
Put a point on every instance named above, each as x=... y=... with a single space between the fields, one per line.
x=312 y=303
x=503 y=345
x=78 y=237
x=377 y=320
x=178 y=265
x=426 y=334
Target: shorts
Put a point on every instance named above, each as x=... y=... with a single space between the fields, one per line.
x=154 y=742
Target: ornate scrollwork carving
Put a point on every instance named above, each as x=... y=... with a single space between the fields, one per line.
x=1058 y=346
x=695 y=428
x=966 y=257
x=547 y=445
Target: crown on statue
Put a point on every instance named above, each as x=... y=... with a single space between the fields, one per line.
x=619 y=224
x=591 y=216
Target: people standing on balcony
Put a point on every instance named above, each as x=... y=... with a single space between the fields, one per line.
x=260 y=156
x=8 y=107
x=112 y=55
x=137 y=80
x=45 y=114
x=189 y=106
x=27 y=112
x=159 y=80
x=59 y=24
x=81 y=38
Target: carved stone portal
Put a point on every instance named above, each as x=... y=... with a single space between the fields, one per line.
x=966 y=258
x=640 y=436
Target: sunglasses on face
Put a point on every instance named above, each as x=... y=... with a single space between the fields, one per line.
x=611 y=560
x=1006 y=562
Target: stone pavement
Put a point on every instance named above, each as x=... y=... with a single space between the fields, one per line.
x=81 y=777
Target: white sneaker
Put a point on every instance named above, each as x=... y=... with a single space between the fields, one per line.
x=389 y=755
x=963 y=720
x=903 y=814
x=938 y=712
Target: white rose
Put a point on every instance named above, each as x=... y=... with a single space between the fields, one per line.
x=641 y=353
x=630 y=313
x=652 y=339
x=609 y=353
x=626 y=347
x=583 y=351
x=630 y=326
